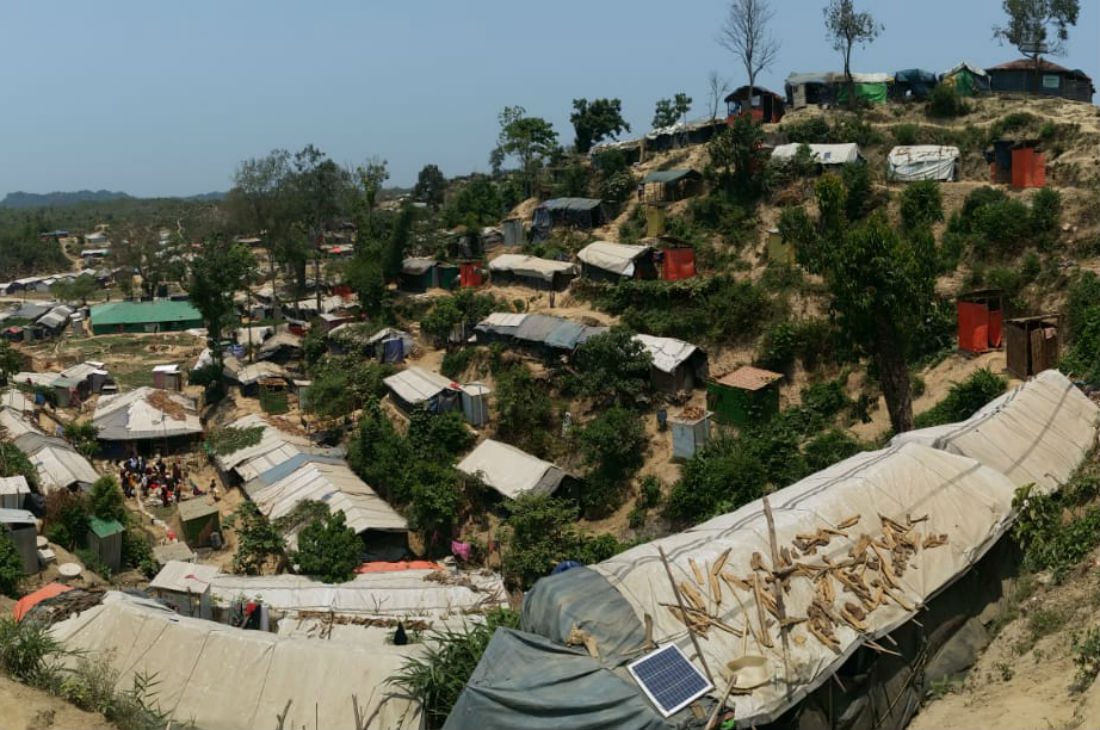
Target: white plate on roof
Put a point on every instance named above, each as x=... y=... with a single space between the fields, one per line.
x=70 y=570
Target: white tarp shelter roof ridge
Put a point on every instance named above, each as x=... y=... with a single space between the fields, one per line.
x=416 y=385
x=531 y=266
x=668 y=353
x=141 y=636
x=922 y=162
x=132 y=415
x=617 y=258
x=823 y=154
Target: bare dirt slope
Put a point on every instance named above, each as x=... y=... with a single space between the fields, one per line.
x=1022 y=680
x=24 y=708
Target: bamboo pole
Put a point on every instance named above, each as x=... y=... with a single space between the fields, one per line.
x=777 y=587
x=680 y=603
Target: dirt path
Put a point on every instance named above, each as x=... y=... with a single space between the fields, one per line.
x=25 y=708
x=1022 y=679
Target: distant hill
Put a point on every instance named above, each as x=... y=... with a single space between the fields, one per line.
x=20 y=199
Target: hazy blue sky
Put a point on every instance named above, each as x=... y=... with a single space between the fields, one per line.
x=164 y=98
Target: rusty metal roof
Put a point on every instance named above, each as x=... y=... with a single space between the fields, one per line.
x=749 y=378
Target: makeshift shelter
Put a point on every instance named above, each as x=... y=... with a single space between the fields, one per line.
x=804 y=89
x=1037 y=433
x=870 y=88
x=475 y=403
x=415 y=387
x=614 y=261
x=667 y=186
x=913 y=84
x=29 y=601
x=269 y=673
x=168 y=377
x=14 y=491
x=249 y=377
x=56 y=463
x=511 y=472
x=967 y=79
x=279 y=489
x=1032 y=344
x=1026 y=168
x=498 y=327
x=22 y=528
x=514 y=235
x=1047 y=79
x=745 y=396
x=532 y=271
x=907 y=163
x=52 y=323
x=412 y=594
x=181 y=585
x=417 y=273
x=583 y=213
x=676 y=365
x=826 y=155
x=690 y=432
x=198 y=521
x=390 y=345
x=966 y=508
x=147 y=414
x=173 y=551
x=470 y=275
x=105 y=541
x=756 y=101
x=281 y=348
x=980 y=317
x=91 y=376
x=159 y=315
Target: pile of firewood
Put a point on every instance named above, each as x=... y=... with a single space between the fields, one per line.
x=845 y=593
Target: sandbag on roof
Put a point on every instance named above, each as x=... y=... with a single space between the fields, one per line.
x=531 y=266
x=617 y=258
x=907 y=163
x=1038 y=432
x=192 y=660
x=968 y=502
x=822 y=154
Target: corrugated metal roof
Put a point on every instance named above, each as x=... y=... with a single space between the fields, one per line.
x=537 y=327
x=133 y=416
x=416 y=385
x=749 y=378
x=104 y=528
x=581 y=204
x=158 y=310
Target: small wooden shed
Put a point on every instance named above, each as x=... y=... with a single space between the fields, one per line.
x=1032 y=344
x=980 y=316
x=198 y=520
x=168 y=377
x=744 y=396
x=105 y=541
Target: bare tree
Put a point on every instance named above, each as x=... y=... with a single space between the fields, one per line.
x=745 y=35
x=717 y=88
x=846 y=27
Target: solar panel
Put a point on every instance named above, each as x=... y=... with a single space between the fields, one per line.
x=669 y=679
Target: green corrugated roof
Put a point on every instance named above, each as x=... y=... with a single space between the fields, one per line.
x=158 y=310
x=105 y=528
x=668 y=176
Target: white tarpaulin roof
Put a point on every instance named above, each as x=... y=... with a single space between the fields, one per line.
x=668 y=353
x=17 y=400
x=617 y=258
x=225 y=678
x=57 y=464
x=531 y=266
x=131 y=416
x=415 y=593
x=922 y=162
x=511 y=471
x=182 y=577
x=822 y=154
x=1038 y=432
x=338 y=487
x=970 y=503
x=416 y=385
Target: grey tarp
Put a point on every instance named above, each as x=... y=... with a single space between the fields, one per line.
x=526 y=681
x=537 y=327
x=566 y=335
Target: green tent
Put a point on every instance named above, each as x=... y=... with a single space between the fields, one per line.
x=872 y=93
x=967 y=79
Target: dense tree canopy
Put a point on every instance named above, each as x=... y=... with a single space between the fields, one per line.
x=593 y=121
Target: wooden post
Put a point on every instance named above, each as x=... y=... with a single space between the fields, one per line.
x=683 y=612
x=777 y=587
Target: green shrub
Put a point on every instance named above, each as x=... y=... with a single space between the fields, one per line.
x=1086 y=657
x=524 y=413
x=329 y=549
x=27 y=651
x=945 y=102
x=830 y=447
x=905 y=134
x=436 y=676
x=455 y=362
x=921 y=204
x=718 y=479
x=11 y=566
x=612 y=447
x=1046 y=211
x=614 y=368
x=1083 y=325
x=963 y=399
x=813 y=130
x=67 y=516
x=651 y=488
x=229 y=439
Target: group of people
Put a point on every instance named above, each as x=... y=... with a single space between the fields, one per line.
x=156 y=478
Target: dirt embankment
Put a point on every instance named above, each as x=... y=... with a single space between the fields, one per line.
x=25 y=708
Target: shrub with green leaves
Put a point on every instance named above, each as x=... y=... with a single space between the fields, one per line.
x=921 y=204
x=67 y=517
x=437 y=676
x=230 y=439
x=28 y=651
x=1083 y=325
x=106 y=501
x=257 y=540
x=524 y=413
x=329 y=549
x=945 y=102
x=963 y=399
x=612 y=448
x=11 y=566
x=614 y=368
